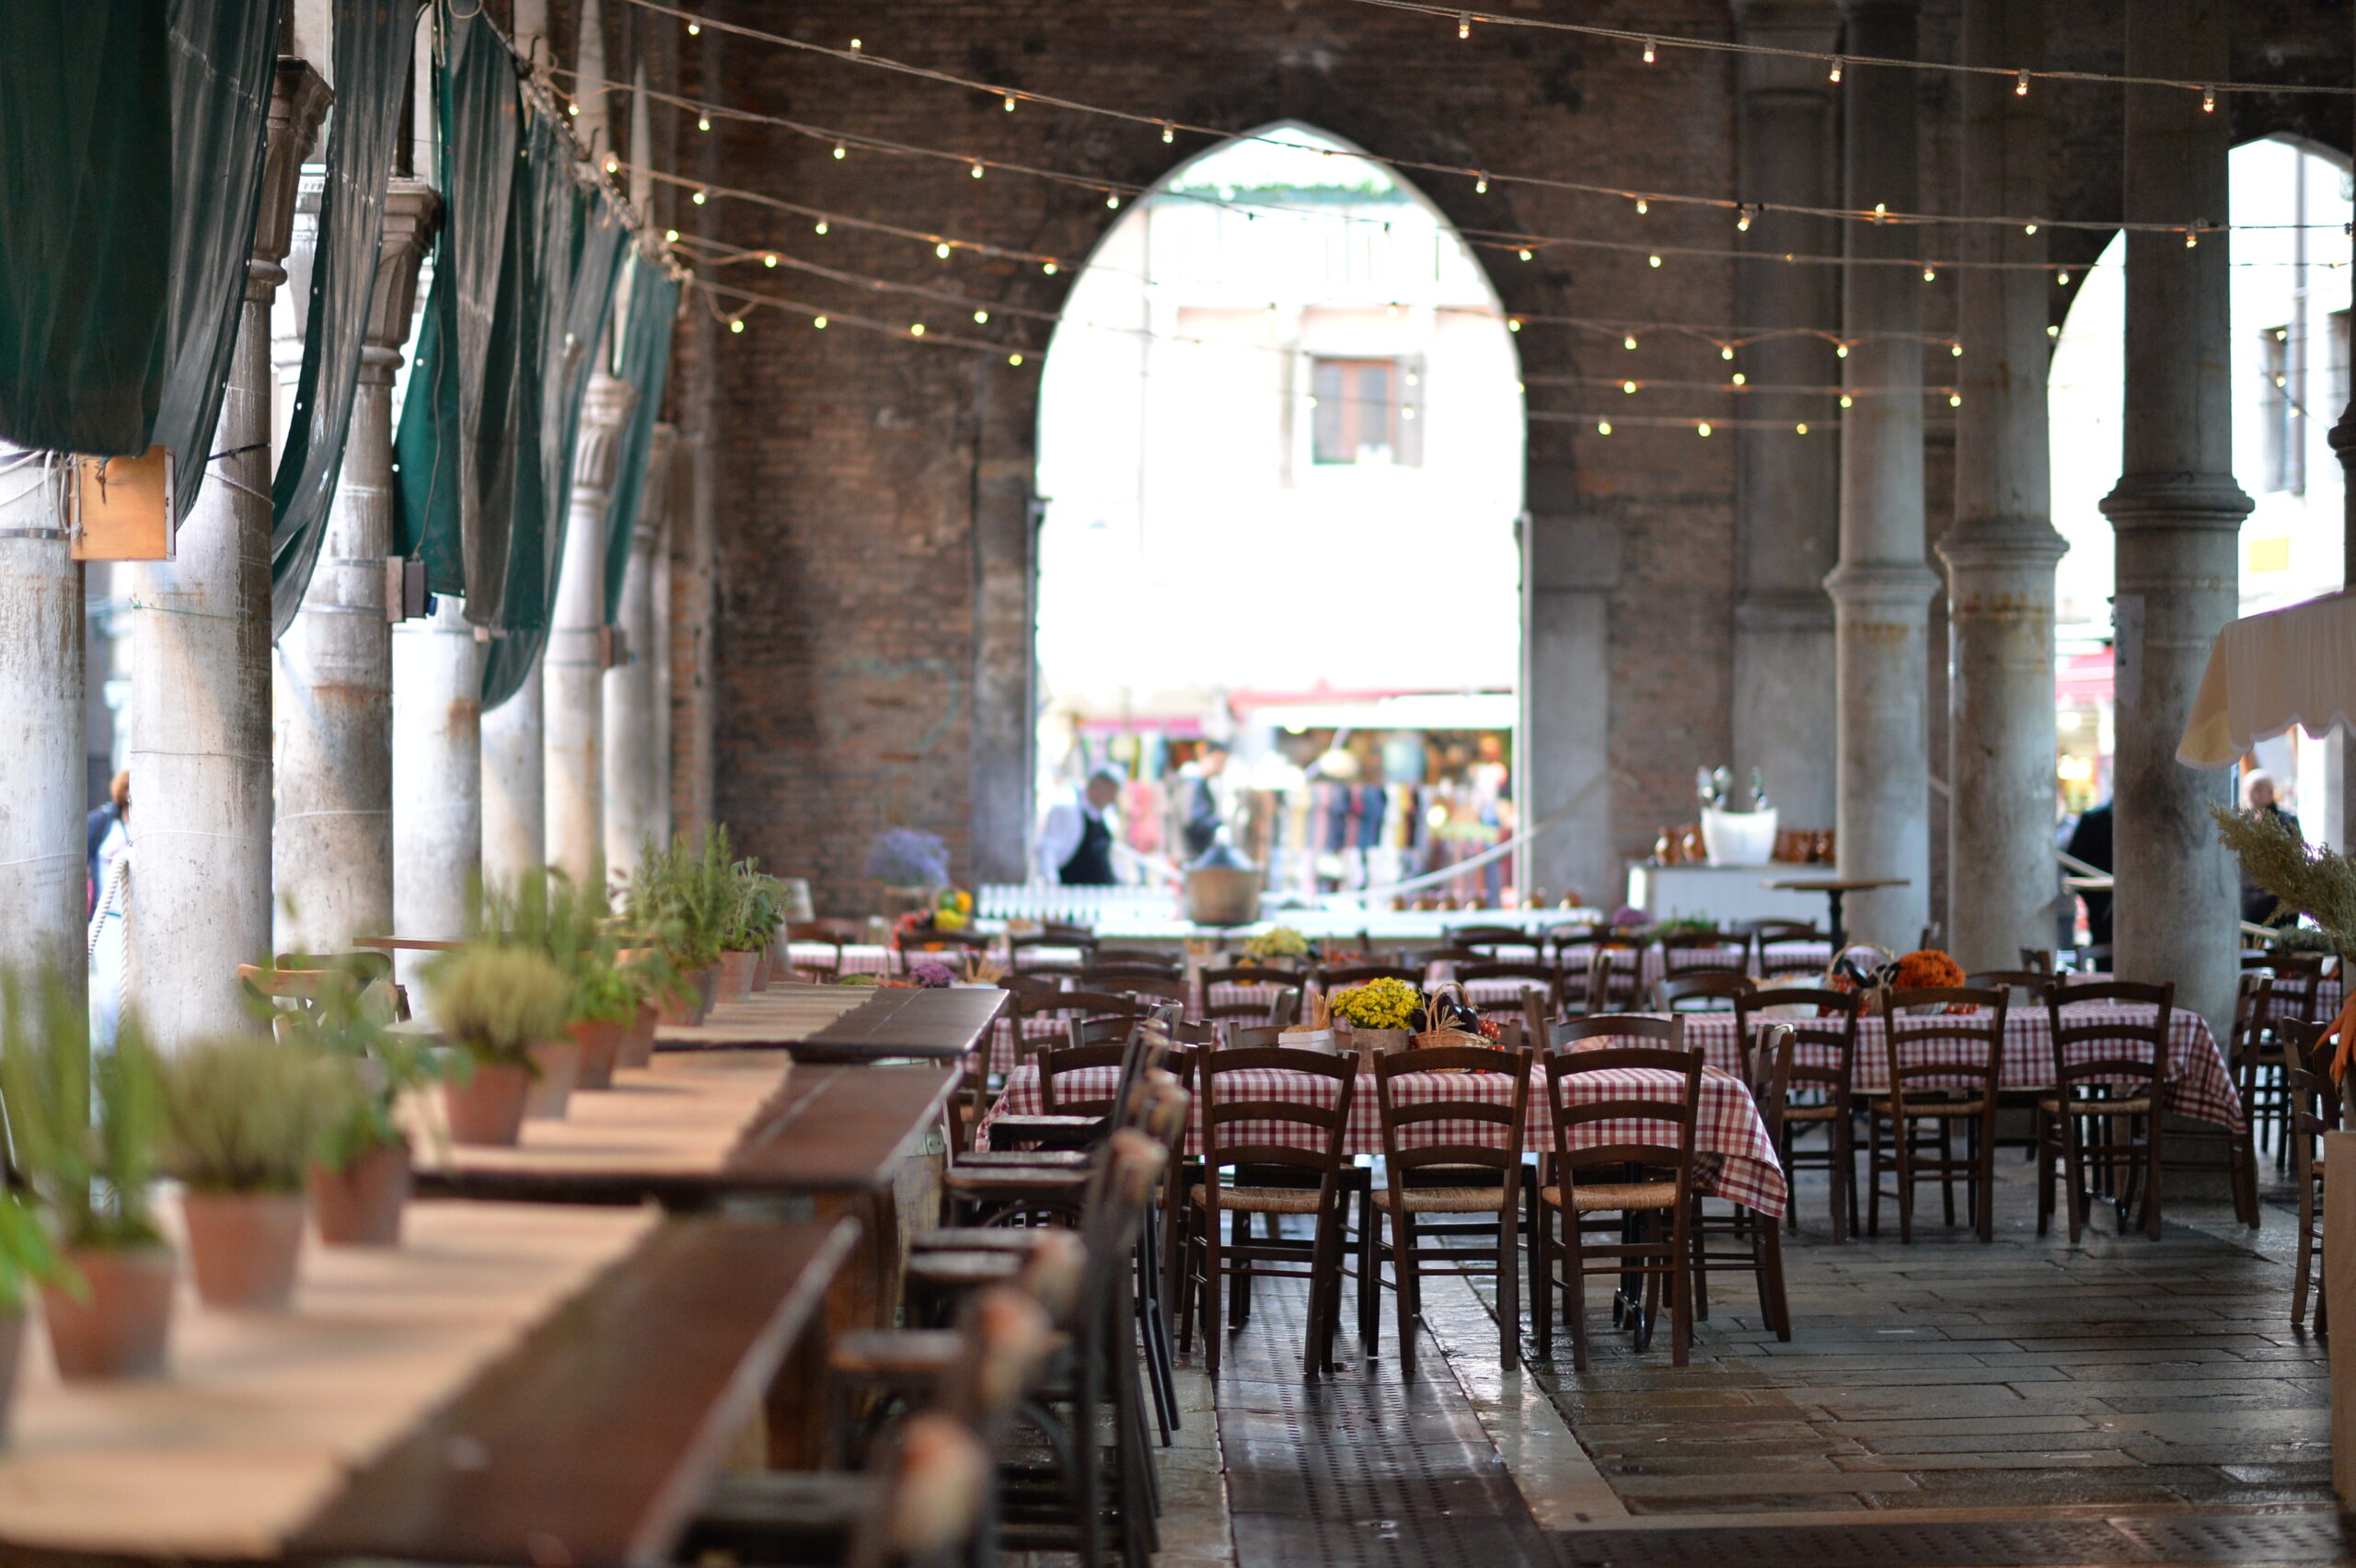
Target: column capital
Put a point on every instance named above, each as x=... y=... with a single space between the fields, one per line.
x=2029 y=542
x=604 y=409
x=412 y=211
x=298 y=101
x=1903 y=586
x=2175 y=501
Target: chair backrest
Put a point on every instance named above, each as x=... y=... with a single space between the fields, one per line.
x=1543 y=978
x=1649 y=1120
x=1146 y=987
x=2298 y=985
x=1564 y=1034
x=2030 y=983
x=2254 y=1034
x=1359 y=973
x=914 y=943
x=1704 y=991
x=1765 y=934
x=1139 y=958
x=1944 y=1049
x=2037 y=961
x=2315 y=1110
x=2094 y=958
x=1494 y=942
x=1009 y=1335
x=1824 y=1055
x=2113 y=1052
x=2305 y=1045
x=1021 y=952
x=1274 y=993
x=836 y=934
x=1302 y=1127
x=1615 y=969
x=1249 y=1037
x=1685 y=952
x=936 y=1476
x=1452 y=1121
x=1768 y=1071
x=1091 y=1044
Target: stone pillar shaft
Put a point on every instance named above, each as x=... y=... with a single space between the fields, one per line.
x=335 y=769
x=438 y=774
x=634 y=762
x=575 y=666
x=200 y=762
x=1882 y=589
x=2177 y=511
x=514 y=783
x=1570 y=567
x=1787 y=496
x=42 y=773
x=2000 y=552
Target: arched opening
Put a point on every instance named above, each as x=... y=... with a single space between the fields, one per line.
x=1280 y=464
x=2290 y=371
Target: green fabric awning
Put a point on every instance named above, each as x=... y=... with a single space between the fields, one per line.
x=224 y=60
x=652 y=307
x=86 y=146
x=372 y=61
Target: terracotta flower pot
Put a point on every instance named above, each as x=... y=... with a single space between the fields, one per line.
x=559 y=1061
x=360 y=1204
x=242 y=1247
x=122 y=1324
x=736 y=977
x=761 y=963
x=488 y=1108
x=701 y=984
x=601 y=1049
x=12 y=1353
x=638 y=1045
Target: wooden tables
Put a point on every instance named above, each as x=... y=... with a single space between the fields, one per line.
x=837 y=1023
x=513 y=1386
x=1835 y=889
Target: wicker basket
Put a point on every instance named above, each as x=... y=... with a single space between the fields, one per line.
x=1450 y=1038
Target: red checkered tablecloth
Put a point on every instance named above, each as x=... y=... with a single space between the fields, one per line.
x=1736 y=1160
x=2200 y=1084
x=856 y=960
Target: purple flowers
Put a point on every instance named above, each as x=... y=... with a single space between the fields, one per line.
x=932 y=976
x=909 y=857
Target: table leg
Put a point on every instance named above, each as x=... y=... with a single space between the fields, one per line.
x=1840 y=927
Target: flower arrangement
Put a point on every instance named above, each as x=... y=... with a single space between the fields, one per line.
x=1275 y=942
x=909 y=857
x=1926 y=969
x=1386 y=1003
x=951 y=911
x=932 y=976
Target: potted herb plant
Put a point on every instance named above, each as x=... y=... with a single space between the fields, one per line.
x=247 y=1115
x=546 y=912
x=28 y=1258
x=85 y=1128
x=751 y=930
x=505 y=1007
x=360 y=1181
x=683 y=897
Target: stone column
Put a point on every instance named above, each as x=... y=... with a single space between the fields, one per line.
x=2177 y=513
x=575 y=666
x=514 y=783
x=335 y=766
x=41 y=770
x=2000 y=552
x=633 y=748
x=1881 y=591
x=1787 y=485
x=437 y=775
x=1569 y=567
x=199 y=759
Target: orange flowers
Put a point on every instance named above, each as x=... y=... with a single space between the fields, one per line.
x=1927 y=969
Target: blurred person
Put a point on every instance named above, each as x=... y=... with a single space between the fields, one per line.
x=1075 y=843
x=1205 y=813
x=2090 y=842
x=104 y=834
x=2259 y=800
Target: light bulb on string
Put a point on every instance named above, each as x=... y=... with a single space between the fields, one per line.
x=1954 y=351
x=770 y=260
x=2191 y=239
x=942 y=250
x=1009 y=103
x=1740 y=379
x=1955 y=400
x=1726 y=350
x=840 y=151
x=2053 y=331
x=1847 y=401
x=1652 y=261
x=704 y=122
x=1649 y=51
x=1930 y=274
x=736 y=324
x=819 y=322
x=1169 y=133
x=1629 y=343
x=1481 y=186
x=2208 y=100
x=1525 y=253
x=1604 y=427
x=671 y=236
x=1112 y=198
x=2020 y=84
x=1513 y=324
x=1629 y=387
x=698 y=198
x=819 y=227
x=612 y=163
x=1839 y=351
x=575 y=109
x=977 y=171
x=1463 y=25
x=1835 y=73
x=1742 y=219
x=1014 y=359
x=1643 y=206
x=1048 y=268
x=1800 y=428
x=1702 y=426
x=2029 y=227
x=695 y=29
x=981 y=317
x=915 y=330
x=1881 y=210
x=854 y=44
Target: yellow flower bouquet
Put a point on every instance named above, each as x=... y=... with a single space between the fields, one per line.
x=1385 y=1003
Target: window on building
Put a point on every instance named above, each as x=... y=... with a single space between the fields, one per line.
x=1367 y=410
x=2277 y=413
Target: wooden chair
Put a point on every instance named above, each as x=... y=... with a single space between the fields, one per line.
x=1140 y=958
x=1755 y=1239
x=2110 y=1092
x=2298 y=985
x=1330 y=980
x=1820 y=1089
x=950 y=948
x=1615 y=973
x=1282 y=1007
x=2037 y=961
x=1118 y=976
x=1458 y=1176
x=1543 y=978
x=1692 y=952
x=2315 y=1110
x=1494 y=942
x=2255 y=1057
x=1704 y=990
x=2094 y=958
x=1319 y=1119
x=2032 y=984
x=836 y=934
x=923 y=1502
x=1021 y=951
x=1168 y=988
x=1763 y=934
x=1600 y=1206
x=1942 y=1074
x=1564 y=1035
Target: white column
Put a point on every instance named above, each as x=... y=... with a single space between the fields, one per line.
x=335 y=694
x=200 y=760
x=633 y=747
x=514 y=784
x=1999 y=555
x=1881 y=591
x=1569 y=568
x=437 y=772
x=575 y=666
x=41 y=776
x=2177 y=513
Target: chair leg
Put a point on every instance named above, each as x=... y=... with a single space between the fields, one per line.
x=2044 y=1171
x=1543 y=1302
x=1773 y=1304
x=1873 y=1173
x=1902 y=1143
x=1508 y=1283
x=1212 y=1284
x=1680 y=1306
x=2306 y=1272
x=1410 y=1291
x=1369 y=1276
x=2156 y=1150
x=1983 y=1175
x=1946 y=1168
x=1842 y=1138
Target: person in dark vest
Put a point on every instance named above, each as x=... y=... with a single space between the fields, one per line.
x=1075 y=843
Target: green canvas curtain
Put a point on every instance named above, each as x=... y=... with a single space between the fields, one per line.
x=577 y=239
x=85 y=142
x=371 y=59
x=224 y=57
x=456 y=447
x=644 y=361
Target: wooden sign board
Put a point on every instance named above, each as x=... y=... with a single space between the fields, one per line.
x=121 y=507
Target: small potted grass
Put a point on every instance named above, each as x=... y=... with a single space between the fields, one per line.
x=504 y=1009
x=545 y=912
x=360 y=1180
x=760 y=916
x=247 y=1115
x=85 y=1128
x=685 y=895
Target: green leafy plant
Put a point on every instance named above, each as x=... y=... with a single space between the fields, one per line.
x=28 y=1255
x=685 y=896
x=85 y=1127
x=1275 y=942
x=2311 y=880
x=759 y=912
x=370 y=1064
x=249 y=1114
x=499 y=1001
x=545 y=912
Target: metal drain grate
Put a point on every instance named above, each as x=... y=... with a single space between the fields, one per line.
x=2057 y=1543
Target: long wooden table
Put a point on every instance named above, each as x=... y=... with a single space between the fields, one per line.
x=513 y=1386
x=811 y=1023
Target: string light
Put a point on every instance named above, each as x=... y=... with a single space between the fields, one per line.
x=1525 y=253
x=1956 y=350
x=854 y=44
x=840 y=151
x=698 y=198
x=1847 y=401
x=1649 y=51
x=977 y=171
x=1955 y=400
x=1629 y=341
x=704 y=122
x=2190 y=239
x=574 y=108
x=2020 y=84
x=2053 y=331
x=1800 y=428
x=671 y=235
x=1112 y=198
x=737 y=325
x=1839 y=351
x=915 y=330
x=1835 y=74
x=1014 y=359
x=1643 y=206
x=1481 y=186
x=1009 y=103
x=981 y=317
x=2208 y=100
x=1604 y=427
x=1169 y=133
x=1930 y=274
x=612 y=163
x=1740 y=379
x=1048 y=268
x=1653 y=260
x=1702 y=426
x=2063 y=279
x=1628 y=386
x=819 y=227
x=819 y=322
x=1513 y=324
x=2029 y=228
x=1742 y=219
x=695 y=29
x=770 y=260
x=1463 y=25
x=1726 y=350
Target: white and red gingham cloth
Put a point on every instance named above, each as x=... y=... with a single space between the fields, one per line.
x=2199 y=1084
x=1734 y=1158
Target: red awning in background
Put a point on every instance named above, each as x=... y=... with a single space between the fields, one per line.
x=2083 y=677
